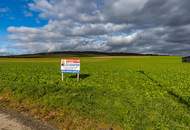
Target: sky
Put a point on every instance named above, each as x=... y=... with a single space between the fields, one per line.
x=133 y=26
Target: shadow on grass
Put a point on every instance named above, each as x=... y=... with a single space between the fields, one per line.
x=82 y=76
x=172 y=94
x=179 y=98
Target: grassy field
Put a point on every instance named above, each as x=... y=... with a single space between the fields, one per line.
x=131 y=93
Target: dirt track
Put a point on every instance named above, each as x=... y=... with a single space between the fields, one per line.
x=11 y=120
x=8 y=123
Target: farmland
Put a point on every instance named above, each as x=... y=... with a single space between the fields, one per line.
x=132 y=93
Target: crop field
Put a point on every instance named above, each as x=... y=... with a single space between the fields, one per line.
x=130 y=93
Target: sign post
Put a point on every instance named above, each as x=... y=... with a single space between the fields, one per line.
x=70 y=66
x=62 y=76
x=78 y=77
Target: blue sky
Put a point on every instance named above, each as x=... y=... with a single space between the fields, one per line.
x=137 y=26
x=17 y=13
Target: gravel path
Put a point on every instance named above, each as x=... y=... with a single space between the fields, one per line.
x=8 y=123
x=11 y=120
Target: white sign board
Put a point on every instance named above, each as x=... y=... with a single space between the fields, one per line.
x=70 y=66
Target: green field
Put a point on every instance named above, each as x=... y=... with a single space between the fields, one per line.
x=133 y=93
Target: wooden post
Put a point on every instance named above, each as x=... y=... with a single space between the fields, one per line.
x=62 y=76
x=78 y=77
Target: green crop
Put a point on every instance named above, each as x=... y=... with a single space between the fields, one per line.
x=133 y=92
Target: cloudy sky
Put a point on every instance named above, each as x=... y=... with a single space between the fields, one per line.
x=137 y=26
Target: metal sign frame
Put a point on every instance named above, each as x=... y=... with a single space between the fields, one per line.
x=70 y=65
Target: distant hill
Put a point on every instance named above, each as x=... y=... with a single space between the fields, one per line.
x=75 y=54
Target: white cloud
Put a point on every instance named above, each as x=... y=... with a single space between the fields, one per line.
x=83 y=10
x=43 y=6
x=22 y=30
x=2 y=50
x=112 y=26
x=97 y=29
x=122 y=10
x=124 y=7
x=60 y=35
x=123 y=40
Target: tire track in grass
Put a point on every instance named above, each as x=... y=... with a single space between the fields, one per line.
x=172 y=94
